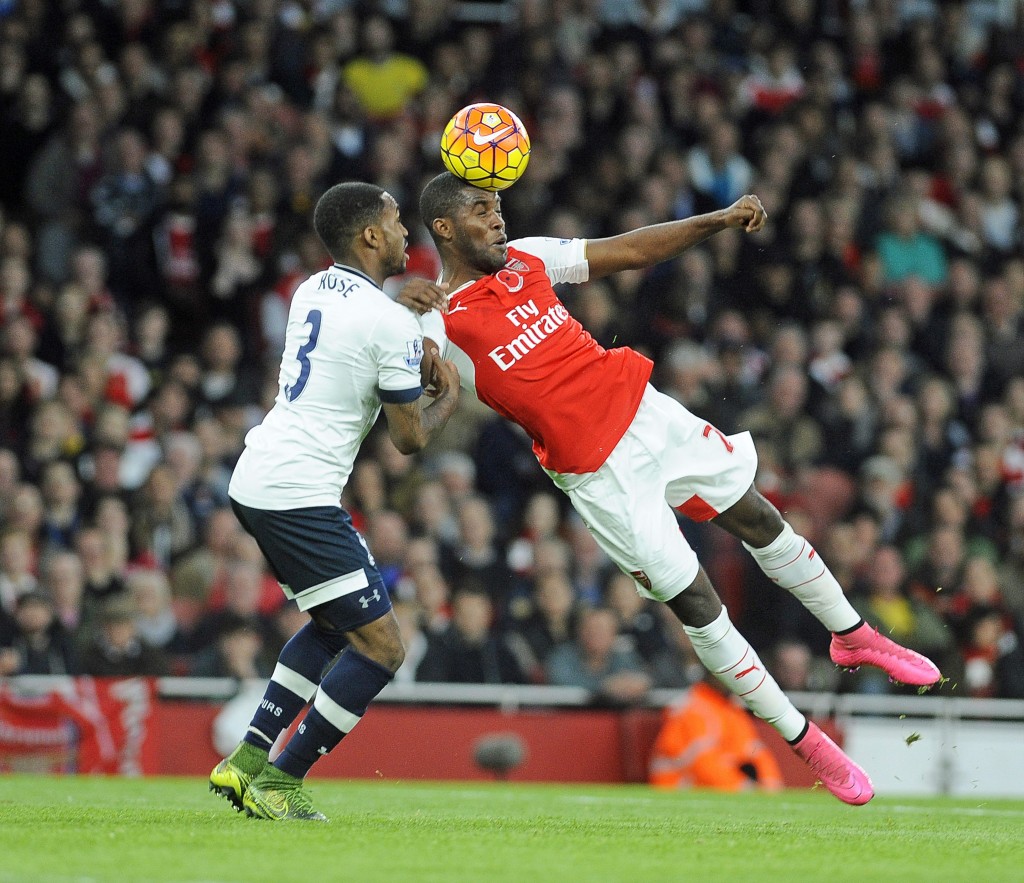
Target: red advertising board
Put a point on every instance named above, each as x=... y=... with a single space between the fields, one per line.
x=88 y=725
x=84 y=725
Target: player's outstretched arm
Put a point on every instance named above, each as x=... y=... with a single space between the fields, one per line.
x=651 y=245
x=411 y=426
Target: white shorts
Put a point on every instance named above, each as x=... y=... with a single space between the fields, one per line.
x=668 y=460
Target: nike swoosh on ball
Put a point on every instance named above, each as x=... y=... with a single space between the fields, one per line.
x=487 y=139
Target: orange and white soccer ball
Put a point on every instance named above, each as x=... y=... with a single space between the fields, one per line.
x=486 y=145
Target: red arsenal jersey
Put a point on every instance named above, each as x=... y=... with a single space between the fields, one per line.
x=535 y=364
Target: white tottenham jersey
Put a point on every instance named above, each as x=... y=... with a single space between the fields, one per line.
x=348 y=347
x=565 y=260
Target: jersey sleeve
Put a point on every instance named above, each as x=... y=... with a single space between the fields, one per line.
x=565 y=260
x=432 y=326
x=399 y=353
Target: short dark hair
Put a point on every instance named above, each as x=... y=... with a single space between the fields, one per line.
x=343 y=212
x=441 y=197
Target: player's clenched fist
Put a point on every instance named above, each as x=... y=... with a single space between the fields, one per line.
x=746 y=212
x=443 y=375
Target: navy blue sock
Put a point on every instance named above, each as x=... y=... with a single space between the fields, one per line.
x=293 y=683
x=337 y=707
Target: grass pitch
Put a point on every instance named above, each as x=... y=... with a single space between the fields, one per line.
x=126 y=830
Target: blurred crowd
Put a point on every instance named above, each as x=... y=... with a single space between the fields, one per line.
x=161 y=162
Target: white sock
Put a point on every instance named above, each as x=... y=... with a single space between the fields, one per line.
x=727 y=655
x=792 y=562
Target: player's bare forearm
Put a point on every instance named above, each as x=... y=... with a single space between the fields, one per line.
x=438 y=412
x=412 y=427
x=651 y=245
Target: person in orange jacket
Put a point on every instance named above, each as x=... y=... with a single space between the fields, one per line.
x=708 y=741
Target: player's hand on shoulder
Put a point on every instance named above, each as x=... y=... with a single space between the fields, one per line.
x=746 y=212
x=421 y=296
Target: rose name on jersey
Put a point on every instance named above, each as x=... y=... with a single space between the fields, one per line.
x=344 y=285
x=533 y=326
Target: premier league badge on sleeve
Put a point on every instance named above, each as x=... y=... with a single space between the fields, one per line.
x=414 y=352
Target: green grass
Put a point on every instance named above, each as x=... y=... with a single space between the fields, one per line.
x=126 y=830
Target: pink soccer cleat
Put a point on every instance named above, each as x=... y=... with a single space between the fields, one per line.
x=834 y=769
x=866 y=646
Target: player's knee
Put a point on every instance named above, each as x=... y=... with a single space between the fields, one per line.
x=394 y=654
x=699 y=604
x=384 y=646
x=760 y=521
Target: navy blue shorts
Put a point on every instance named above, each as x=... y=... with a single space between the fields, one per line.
x=321 y=561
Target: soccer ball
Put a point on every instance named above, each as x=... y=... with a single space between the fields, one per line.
x=486 y=145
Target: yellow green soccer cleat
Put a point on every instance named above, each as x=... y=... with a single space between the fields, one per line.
x=278 y=797
x=230 y=782
x=231 y=777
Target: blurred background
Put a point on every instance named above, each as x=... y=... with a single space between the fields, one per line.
x=161 y=162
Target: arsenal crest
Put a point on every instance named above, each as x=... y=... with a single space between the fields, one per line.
x=518 y=265
x=641 y=578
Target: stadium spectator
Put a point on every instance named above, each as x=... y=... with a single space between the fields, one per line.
x=162 y=527
x=717 y=168
x=598 y=661
x=61 y=577
x=905 y=249
x=122 y=205
x=791 y=664
x=235 y=278
x=195 y=574
x=61 y=496
x=782 y=421
x=36 y=642
x=156 y=623
x=61 y=176
x=639 y=622
x=382 y=79
x=469 y=651
x=115 y=649
x=477 y=556
x=239 y=651
x=221 y=381
x=993 y=655
x=551 y=623
x=432 y=514
x=402 y=475
x=388 y=536
x=17 y=563
x=240 y=600
x=20 y=344
x=102 y=571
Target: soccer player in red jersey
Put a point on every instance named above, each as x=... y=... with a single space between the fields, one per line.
x=630 y=457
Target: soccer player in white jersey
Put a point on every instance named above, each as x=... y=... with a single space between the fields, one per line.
x=629 y=457
x=349 y=351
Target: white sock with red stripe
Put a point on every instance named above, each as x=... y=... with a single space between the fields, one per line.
x=793 y=563
x=727 y=655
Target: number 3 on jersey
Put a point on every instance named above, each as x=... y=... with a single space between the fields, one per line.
x=293 y=391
